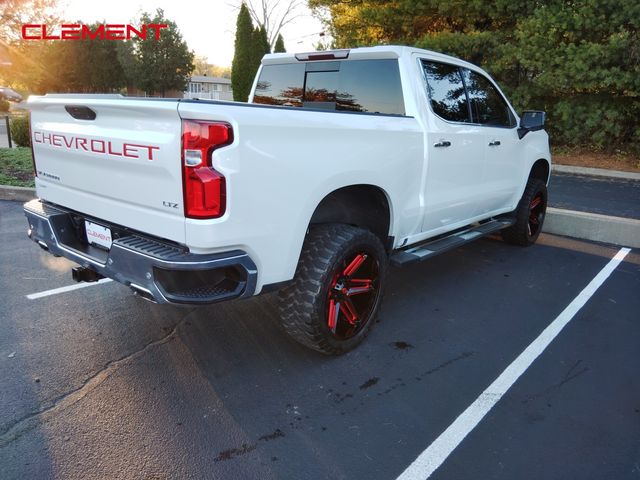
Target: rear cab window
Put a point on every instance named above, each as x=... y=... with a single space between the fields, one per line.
x=361 y=86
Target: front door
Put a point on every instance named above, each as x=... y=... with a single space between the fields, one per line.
x=503 y=166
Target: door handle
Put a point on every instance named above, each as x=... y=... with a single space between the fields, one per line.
x=442 y=143
x=494 y=143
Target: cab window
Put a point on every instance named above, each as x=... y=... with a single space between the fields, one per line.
x=366 y=86
x=446 y=91
x=488 y=107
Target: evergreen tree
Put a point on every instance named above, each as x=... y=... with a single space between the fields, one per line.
x=164 y=64
x=279 y=47
x=85 y=66
x=106 y=72
x=274 y=15
x=242 y=67
x=260 y=48
x=578 y=60
x=263 y=41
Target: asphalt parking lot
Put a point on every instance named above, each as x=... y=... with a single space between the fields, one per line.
x=97 y=383
x=605 y=196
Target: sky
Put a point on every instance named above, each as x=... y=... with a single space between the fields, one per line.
x=207 y=27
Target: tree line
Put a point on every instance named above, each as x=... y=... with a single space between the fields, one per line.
x=579 y=60
x=251 y=44
x=155 y=67
x=152 y=66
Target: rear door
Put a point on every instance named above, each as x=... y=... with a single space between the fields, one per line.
x=111 y=158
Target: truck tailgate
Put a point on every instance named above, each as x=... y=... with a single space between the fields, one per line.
x=111 y=158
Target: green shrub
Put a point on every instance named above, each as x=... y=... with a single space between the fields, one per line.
x=20 y=131
x=4 y=106
x=578 y=60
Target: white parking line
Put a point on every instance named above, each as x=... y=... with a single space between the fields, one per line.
x=429 y=460
x=55 y=291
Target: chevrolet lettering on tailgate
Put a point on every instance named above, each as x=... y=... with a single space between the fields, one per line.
x=95 y=145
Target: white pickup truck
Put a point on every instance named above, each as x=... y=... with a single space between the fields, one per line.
x=341 y=162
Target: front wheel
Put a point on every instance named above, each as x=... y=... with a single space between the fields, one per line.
x=331 y=304
x=529 y=215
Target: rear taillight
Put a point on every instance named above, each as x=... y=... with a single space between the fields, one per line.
x=33 y=155
x=204 y=188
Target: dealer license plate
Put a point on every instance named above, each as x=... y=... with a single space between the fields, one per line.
x=98 y=235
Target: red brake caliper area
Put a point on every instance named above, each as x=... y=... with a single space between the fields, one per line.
x=345 y=286
x=534 y=214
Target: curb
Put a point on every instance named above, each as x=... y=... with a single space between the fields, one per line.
x=595 y=172
x=592 y=226
x=20 y=194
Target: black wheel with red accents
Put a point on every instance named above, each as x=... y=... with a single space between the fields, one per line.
x=332 y=302
x=353 y=293
x=529 y=215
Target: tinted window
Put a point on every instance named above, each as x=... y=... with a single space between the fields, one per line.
x=446 y=91
x=371 y=86
x=487 y=105
x=280 y=85
x=320 y=90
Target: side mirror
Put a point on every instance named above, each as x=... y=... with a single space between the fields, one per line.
x=531 y=121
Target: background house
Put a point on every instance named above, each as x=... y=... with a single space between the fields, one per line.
x=209 y=88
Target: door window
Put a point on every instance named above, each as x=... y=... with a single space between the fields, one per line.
x=487 y=105
x=446 y=91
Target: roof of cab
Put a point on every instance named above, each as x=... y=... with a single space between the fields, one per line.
x=382 y=51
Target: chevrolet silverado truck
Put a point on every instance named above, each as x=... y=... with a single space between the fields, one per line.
x=341 y=163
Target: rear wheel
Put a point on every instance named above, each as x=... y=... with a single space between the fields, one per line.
x=332 y=302
x=529 y=215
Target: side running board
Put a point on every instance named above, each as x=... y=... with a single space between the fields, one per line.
x=431 y=248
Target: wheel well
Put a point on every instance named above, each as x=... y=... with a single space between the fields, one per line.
x=540 y=170
x=364 y=206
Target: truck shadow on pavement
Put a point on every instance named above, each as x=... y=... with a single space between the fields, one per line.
x=276 y=393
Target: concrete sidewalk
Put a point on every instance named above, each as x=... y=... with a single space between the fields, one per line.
x=594 y=172
x=19 y=194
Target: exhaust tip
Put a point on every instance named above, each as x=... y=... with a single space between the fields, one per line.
x=142 y=293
